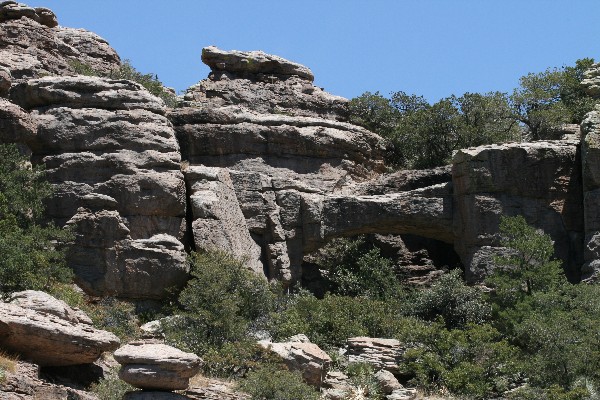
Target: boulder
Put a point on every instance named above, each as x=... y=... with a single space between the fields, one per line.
x=5 y=81
x=156 y=366
x=43 y=303
x=305 y=357
x=590 y=153
x=387 y=381
x=381 y=353
x=49 y=340
x=253 y=63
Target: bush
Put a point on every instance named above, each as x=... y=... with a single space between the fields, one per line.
x=32 y=251
x=111 y=387
x=126 y=71
x=355 y=268
x=272 y=383
x=362 y=378
x=450 y=298
x=222 y=303
x=7 y=364
x=236 y=359
x=332 y=320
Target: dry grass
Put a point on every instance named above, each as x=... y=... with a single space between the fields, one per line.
x=7 y=364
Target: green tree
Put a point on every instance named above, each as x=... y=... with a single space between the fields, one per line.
x=32 y=251
x=222 y=303
x=528 y=266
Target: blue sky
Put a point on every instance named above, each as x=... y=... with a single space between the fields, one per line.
x=433 y=48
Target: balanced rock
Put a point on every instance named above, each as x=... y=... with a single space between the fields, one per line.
x=253 y=63
x=302 y=356
x=49 y=340
x=45 y=304
x=156 y=366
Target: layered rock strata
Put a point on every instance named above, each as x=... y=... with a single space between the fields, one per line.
x=115 y=163
x=156 y=366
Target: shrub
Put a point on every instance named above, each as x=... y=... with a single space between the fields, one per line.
x=7 y=364
x=450 y=298
x=358 y=269
x=32 y=251
x=222 y=303
x=116 y=316
x=363 y=380
x=272 y=383
x=236 y=359
x=111 y=387
x=126 y=71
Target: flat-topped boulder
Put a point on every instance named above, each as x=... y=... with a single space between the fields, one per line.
x=44 y=303
x=50 y=340
x=156 y=366
x=246 y=63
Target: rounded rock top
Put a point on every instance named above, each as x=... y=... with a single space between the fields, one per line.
x=158 y=354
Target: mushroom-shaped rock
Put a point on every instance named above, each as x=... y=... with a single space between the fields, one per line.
x=305 y=357
x=253 y=62
x=49 y=340
x=156 y=366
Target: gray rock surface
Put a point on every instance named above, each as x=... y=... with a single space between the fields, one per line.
x=381 y=353
x=154 y=366
x=115 y=165
x=591 y=80
x=16 y=125
x=305 y=357
x=253 y=63
x=590 y=153
x=536 y=180
x=43 y=303
x=5 y=81
x=46 y=339
x=32 y=45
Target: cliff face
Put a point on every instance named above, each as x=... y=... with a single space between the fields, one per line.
x=259 y=162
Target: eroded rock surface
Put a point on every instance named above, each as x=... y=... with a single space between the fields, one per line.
x=32 y=45
x=46 y=339
x=381 y=353
x=539 y=180
x=153 y=366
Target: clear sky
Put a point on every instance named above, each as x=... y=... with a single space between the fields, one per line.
x=433 y=48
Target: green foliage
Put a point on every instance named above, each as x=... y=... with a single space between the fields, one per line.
x=357 y=269
x=528 y=267
x=451 y=299
x=126 y=71
x=236 y=359
x=546 y=100
x=362 y=376
x=32 y=252
x=111 y=387
x=222 y=303
x=116 y=316
x=272 y=383
x=475 y=361
x=330 y=321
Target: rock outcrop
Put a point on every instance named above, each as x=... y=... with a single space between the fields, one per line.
x=381 y=353
x=39 y=335
x=156 y=366
x=489 y=182
x=32 y=44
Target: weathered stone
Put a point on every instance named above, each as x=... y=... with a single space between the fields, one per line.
x=5 y=81
x=253 y=63
x=43 y=303
x=148 y=395
x=382 y=353
x=85 y=92
x=591 y=80
x=387 y=381
x=49 y=340
x=156 y=366
x=590 y=153
x=218 y=222
x=530 y=179
x=16 y=126
x=33 y=46
x=307 y=358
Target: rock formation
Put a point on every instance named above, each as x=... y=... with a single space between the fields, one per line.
x=382 y=353
x=46 y=331
x=156 y=366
